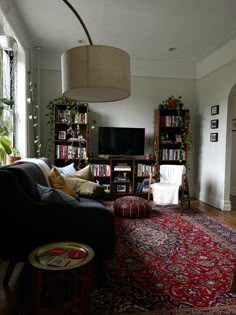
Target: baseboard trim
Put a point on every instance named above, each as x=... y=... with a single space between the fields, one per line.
x=221 y=204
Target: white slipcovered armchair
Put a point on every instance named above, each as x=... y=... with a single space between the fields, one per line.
x=172 y=188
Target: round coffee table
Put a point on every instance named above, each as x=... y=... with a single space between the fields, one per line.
x=62 y=278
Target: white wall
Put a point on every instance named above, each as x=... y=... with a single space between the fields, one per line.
x=211 y=163
x=135 y=111
x=212 y=180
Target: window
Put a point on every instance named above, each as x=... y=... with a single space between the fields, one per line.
x=8 y=76
x=12 y=87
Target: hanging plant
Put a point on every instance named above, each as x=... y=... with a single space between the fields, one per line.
x=186 y=140
x=34 y=111
x=70 y=111
x=51 y=121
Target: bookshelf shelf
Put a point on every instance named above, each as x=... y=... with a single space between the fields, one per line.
x=171 y=129
x=126 y=179
x=71 y=133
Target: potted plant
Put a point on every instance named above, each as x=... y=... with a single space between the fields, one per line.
x=148 y=155
x=5 y=148
x=13 y=156
x=5 y=129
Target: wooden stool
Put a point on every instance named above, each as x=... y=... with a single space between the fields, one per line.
x=61 y=278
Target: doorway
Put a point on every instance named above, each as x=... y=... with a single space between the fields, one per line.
x=231 y=147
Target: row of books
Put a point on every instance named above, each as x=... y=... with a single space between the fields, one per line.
x=171 y=121
x=70 y=152
x=143 y=186
x=65 y=115
x=144 y=169
x=171 y=154
x=101 y=169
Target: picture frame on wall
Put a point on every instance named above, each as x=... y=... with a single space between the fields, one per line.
x=215 y=110
x=214 y=137
x=214 y=123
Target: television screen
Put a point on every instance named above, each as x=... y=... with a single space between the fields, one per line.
x=121 y=141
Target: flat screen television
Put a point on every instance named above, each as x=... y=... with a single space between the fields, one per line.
x=121 y=141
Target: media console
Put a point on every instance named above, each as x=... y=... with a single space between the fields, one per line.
x=123 y=176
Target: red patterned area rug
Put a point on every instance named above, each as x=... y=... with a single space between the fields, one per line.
x=170 y=265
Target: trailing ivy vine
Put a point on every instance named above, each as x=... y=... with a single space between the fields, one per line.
x=34 y=111
x=70 y=105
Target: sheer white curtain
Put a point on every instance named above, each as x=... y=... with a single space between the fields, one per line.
x=8 y=74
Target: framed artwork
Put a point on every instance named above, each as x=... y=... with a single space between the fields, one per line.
x=214 y=123
x=62 y=135
x=215 y=110
x=214 y=137
x=233 y=124
x=121 y=188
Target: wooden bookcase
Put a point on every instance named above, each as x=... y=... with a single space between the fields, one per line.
x=71 y=133
x=171 y=130
x=122 y=176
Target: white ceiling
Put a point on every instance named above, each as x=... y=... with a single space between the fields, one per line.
x=146 y=29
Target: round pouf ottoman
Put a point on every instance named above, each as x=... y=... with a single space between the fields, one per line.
x=132 y=207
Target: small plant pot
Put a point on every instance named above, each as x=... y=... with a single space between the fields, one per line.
x=172 y=104
x=148 y=156
x=11 y=159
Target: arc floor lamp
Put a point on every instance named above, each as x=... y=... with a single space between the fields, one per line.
x=95 y=73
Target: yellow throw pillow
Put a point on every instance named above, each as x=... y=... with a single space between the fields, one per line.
x=58 y=182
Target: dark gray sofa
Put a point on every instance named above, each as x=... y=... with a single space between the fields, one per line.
x=27 y=223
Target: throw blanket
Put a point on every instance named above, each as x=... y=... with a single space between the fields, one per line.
x=167 y=190
x=41 y=164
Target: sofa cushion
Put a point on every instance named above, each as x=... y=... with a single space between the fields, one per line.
x=85 y=173
x=84 y=187
x=58 y=182
x=55 y=196
x=68 y=169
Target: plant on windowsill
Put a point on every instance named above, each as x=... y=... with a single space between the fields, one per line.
x=13 y=156
x=5 y=147
x=5 y=130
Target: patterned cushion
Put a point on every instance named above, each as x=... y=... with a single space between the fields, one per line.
x=132 y=207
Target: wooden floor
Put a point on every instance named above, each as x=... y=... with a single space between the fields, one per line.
x=9 y=298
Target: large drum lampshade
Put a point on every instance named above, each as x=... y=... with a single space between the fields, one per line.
x=95 y=73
